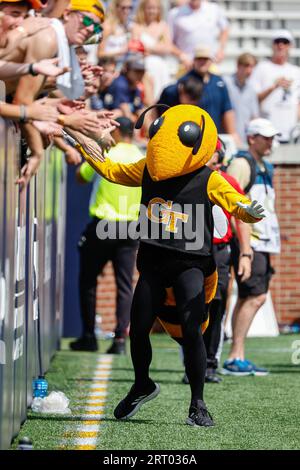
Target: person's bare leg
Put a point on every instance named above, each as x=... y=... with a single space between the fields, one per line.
x=244 y=313
x=235 y=313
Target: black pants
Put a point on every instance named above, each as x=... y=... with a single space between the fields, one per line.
x=94 y=254
x=217 y=307
x=147 y=302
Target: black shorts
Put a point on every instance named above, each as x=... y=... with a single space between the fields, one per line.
x=261 y=273
x=168 y=264
x=222 y=259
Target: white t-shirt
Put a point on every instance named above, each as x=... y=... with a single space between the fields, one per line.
x=193 y=28
x=280 y=107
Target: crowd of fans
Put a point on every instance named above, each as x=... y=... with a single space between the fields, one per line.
x=132 y=56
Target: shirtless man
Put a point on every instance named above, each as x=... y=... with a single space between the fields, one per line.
x=80 y=22
x=14 y=26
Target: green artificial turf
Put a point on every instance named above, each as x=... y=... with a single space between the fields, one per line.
x=249 y=412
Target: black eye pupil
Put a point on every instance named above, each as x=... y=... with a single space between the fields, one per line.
x=188 y=133
x=155 y=126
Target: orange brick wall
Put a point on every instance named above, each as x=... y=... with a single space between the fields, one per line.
x=285 y=285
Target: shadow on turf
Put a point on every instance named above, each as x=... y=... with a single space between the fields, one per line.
x=127 y=380
x=112 y=419
x=178 y=371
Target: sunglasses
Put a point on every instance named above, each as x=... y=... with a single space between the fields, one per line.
x=87 y=21
x=282 y=41
x=124 y=8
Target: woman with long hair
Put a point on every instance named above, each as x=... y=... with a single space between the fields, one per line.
x=154 y=33
x=116 y=30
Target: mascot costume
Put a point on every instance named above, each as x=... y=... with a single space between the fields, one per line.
x=175 y=258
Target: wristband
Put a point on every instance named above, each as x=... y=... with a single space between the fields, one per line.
x=246 y=255
x=31 y=70
x=23 y=114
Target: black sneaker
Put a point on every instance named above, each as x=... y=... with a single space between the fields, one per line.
x=85 y=343
x=117 y=347
x=133 y=401
x=199 y=416
x=211 y=376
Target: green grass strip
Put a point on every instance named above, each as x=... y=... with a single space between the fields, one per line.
x=249 y=412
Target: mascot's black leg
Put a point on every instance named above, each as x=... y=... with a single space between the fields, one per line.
x=147 y=301
x=190 y=301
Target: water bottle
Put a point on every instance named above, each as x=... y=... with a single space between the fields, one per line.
x=25 y=444
x=289 y=329
x=40 y=387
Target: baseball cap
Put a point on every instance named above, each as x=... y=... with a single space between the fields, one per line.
x=283 y=34
x=36 y=4
x=262 y=127
x=126 y=125
x=93 y=6
x=135 y=62
x=203 y=52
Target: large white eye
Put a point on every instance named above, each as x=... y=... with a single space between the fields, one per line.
x=155 y=126
x=188 y=133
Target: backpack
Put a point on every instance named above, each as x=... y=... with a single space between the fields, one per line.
x=252 y=163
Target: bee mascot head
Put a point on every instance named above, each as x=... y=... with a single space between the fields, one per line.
x=182 y=140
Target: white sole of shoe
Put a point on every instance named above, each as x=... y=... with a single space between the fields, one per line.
x=148 y=398
x=260 y=374
x=236 y=374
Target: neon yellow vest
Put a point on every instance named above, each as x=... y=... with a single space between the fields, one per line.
x=111 y=201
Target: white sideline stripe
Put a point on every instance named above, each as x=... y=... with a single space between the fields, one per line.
x=87 y=428
x=93 y=401
x=98 y=384
x=91 y=417
x=97 y=394
x=91 y=412
x=85 y=441
x=89 y=408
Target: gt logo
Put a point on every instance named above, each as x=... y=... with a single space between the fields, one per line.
x=166 y=215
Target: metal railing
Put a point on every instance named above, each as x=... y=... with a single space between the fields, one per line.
x=32 y=228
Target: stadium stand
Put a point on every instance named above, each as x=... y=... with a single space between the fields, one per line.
x=252 y=23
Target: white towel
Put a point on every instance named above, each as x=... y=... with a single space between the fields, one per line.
x=71 y=84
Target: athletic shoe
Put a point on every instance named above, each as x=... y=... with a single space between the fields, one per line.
x=117 y=347
x=85 y=343
x=211 y=376
x=236 y=367
x=260 y=371
x=131 y=404
x=199 y=416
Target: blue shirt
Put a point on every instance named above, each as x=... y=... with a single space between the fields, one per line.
x=215 y=98
x=120 y=92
